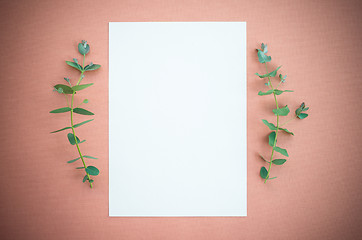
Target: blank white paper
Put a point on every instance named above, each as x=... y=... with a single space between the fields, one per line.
x=177 y=119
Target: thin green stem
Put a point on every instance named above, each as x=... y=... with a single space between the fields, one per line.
x=66 y=98
x=73 y=130
x=75 y=138
x=276 y=131
x=81 y=75
x=288 y=121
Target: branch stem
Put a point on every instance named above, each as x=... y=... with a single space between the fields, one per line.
x=288 y=121
x=276 y=131
x=73 y=130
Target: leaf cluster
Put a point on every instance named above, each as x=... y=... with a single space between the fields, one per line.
x=278 y=112
x=70 y=90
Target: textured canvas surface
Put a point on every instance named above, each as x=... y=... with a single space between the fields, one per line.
x=317 y=194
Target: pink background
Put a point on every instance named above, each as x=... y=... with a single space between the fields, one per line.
x=317 y=194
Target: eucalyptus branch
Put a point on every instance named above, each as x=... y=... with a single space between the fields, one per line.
x=283 y=111
x=83 y=49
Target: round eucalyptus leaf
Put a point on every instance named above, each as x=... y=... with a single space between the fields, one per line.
x=83 y=50
x=92 y=170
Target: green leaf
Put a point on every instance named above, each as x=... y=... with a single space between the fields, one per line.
x=260 y=93
x=66 y=89
x=272 y=178
x=264 y=48
x=75 y=65
x=279 y=161
x=86 y=156
x=85 y=178
x=286 y=130
x=75 y=126
x=61 y=129
x=274 y=73
x=72 y=140
x=271 y=74
x=81 y=87
x=263 y=158
x=72 y=161
x=85 y=101
x=61 y=110
x=83 y=50
x=281 y=111
x=262 y=57
x=301 y=109
x=92 y=170
x=82 y=111
x=298 y=111
x=272 y=138
x=278 y=92
x=59 y=90
x=271 y=126
x=80 y=124
x=263 y=172
x=90 y=181
x=79 y=168
x=282 y=151
x=302 y=115
x=92 y=67
x=68 y=81
x=282 y=78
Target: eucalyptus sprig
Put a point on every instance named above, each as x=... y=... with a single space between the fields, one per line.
x=278 y=111
x=69 y=91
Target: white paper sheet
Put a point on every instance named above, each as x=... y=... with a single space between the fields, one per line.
x=177 y=119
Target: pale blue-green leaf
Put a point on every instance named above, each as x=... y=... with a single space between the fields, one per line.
x=71 y=139
x=81 y=87
x=286 y=130
x=272 y=138
x=271 y=74
x=61 y=110
x=66 y=89
x=284 y=111
x=92 y=67
x=85 y=178
x=86 y=156
x=264 y=48
x=263 y=158
x=262 y=57
x=281 y=151
x=302 y=115
x=263 y=172
x=83 y=50
x=278 y=92
x=260 y=93
x=279 y=161
x=82 y=111
x=61 y=130
x=75 y=65
x=80 y=124
x=271 y=126
x=72 y=161
x=92 y=170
